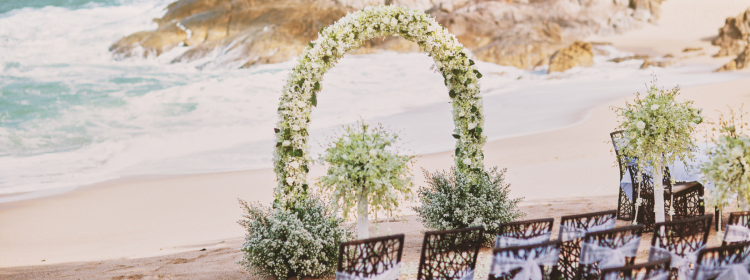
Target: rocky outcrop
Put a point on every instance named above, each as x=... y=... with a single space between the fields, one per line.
x=734 y=35
x=577 y=54
x=241 y=33
x=741 y=62
x=657 y=63
x=632 y=57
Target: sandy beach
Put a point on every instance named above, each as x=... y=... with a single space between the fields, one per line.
x=185 y=227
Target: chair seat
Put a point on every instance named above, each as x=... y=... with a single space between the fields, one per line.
x=681 y=187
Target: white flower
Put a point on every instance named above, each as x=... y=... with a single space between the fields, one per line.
x=341 y=178
x=289 y=180
x=301 y=104
x=472 y=125
x=640 y=125
x=373 y=152
x=654 y=107
x=692 y=124
x=315 y=65
x=295 y=127
x=286 y=143
x=294 y=164
x=394 y=21
x=386 y=20
x=736 y=152
x=467 y=161
x=461 y=114
x=328 y=53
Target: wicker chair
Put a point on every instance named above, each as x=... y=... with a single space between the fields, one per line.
x=525 y=252
x=450 y=254
x=688 y=201
x=618 y=238
x=678 y=239
x=738 y=219
x=721 y=257
x=570 y=249
x=524 y=230
x=370 y=257
x=644 y=271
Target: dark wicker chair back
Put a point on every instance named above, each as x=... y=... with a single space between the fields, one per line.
x=524 y=230
x=721 y=257
x=570 y=249
x=737 y=219
x=643 y=271
x=680 y=238
x=449 y=254
x=617 y=238
x=370 y=257
x=524 y=253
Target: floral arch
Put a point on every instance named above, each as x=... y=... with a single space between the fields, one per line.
x=300 y=91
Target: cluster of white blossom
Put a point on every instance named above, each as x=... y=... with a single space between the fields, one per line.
x=728 y=170
x=359 y=163
x=300 y=91
x=456 y=200
x=658 y=127
x=284 y=243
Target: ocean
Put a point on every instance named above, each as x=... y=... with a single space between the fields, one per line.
x=71 y=115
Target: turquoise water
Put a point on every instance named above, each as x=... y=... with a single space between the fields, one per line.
x=9 y=5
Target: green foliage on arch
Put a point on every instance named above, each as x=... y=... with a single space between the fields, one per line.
x=300 y=92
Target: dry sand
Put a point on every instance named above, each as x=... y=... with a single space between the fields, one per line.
x=156 y=228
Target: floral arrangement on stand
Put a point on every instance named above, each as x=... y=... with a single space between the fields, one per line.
x=303 y=84
x=728 y=167
x=658 y=130
x=363 y=171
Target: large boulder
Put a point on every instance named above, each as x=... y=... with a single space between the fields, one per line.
x=741 y=62
x=575 y=55
x=734 y=35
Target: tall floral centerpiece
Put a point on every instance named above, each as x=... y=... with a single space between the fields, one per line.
x=729 y=165
x=658 y=130
x=362 y=170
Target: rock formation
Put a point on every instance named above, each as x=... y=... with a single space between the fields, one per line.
x=734 y=35
x=657 y=63
x=241 y=33
x=577 y=54
x=742 y=61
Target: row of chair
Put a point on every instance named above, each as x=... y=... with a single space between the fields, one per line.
x=587 y=247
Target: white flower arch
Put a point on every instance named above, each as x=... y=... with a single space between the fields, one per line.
x=300 y=92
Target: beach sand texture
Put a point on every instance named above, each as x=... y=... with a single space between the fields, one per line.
x=155 y=227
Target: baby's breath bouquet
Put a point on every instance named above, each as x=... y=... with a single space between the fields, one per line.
x=299 y=243
x=658 y=130
x=363 y=170
x=728 y=167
